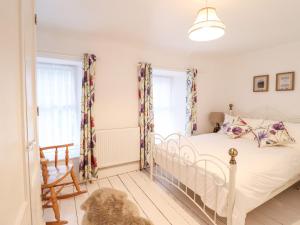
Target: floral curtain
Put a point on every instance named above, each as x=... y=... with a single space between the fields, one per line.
x=191 y=100
x=145 y=111
x=88 y=163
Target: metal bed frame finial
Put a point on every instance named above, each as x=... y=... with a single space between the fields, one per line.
x=233 y=153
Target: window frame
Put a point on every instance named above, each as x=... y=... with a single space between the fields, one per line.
x=172 y=75
x=74 y=152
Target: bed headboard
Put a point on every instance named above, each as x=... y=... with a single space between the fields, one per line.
x=267 y=113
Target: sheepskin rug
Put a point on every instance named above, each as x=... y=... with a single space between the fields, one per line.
x=109 y=206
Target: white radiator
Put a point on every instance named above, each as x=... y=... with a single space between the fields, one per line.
x=117 y=146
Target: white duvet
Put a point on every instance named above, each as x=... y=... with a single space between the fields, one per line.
x=260 y=171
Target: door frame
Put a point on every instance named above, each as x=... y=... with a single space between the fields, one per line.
x=33 y=213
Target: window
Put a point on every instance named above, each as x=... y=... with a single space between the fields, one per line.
x=169 y=102
x=58 y=96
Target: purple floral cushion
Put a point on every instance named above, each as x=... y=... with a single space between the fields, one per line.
x=228 y=121
x=237 y=129
x=274 y=134
x=226 y=126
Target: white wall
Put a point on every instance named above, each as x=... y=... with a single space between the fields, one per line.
x=12 y=189
x=220 y=80
x=116 y=82
x=224 y=80
x=213 y=90
x=239 y=72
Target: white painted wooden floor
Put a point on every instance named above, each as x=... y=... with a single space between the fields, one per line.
x=161 y=206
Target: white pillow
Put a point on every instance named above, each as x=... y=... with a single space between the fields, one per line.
x=273 y=133
x=294 y=131
x=238 y=128
x=228 y=120
x=253 y=123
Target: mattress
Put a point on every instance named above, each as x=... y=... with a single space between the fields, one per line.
x=260 y=171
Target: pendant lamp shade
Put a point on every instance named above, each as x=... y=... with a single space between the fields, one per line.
x=207 y=26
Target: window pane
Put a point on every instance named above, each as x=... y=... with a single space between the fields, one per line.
x=169 y=103
x=58 y=95
x=162 y=92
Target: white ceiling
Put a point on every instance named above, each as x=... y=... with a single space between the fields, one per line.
x=250 y=24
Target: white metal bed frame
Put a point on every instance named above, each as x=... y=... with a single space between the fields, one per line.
x=176 y=151
x=175 y=147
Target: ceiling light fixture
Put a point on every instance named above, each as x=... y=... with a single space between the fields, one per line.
x=207 y=26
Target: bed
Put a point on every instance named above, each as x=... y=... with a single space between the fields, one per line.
x=221 y=180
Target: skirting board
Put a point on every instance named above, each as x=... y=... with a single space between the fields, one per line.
x=112 y=170
x=119 y=169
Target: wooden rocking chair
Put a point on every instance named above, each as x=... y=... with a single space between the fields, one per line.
x=55 y=179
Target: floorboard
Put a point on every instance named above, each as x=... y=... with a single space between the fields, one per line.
x=261 y=219
x=147 y=205
x=163 y=206
x=48 y=214
x=166 y=204
x=278 y=211
x=104 y=183
x=91 y=187
x=184 y=202
x=290 y=197
x=253 y=221
x=78 y=202
x=68 y=208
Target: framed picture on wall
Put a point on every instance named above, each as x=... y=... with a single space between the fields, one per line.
x=261 y=83
x=285 y=81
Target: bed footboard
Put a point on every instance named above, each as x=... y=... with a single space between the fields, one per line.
x=203 y=178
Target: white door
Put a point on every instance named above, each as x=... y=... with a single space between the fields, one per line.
x=30 y=111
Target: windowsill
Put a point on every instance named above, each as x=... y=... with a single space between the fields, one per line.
x=73 y=154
